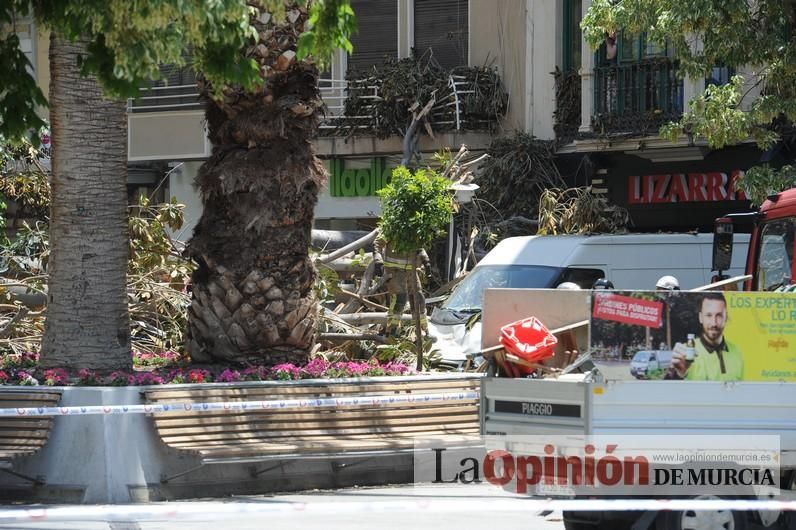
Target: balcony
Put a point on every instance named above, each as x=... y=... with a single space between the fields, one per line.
x=350 y=104
x=165 y=99
x=356 y=107
x=166 y=122
x=636 y=97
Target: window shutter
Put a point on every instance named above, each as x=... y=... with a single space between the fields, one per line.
x=378 y=33
x=441 y=25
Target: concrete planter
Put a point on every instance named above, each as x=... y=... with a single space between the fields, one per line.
x=118 y=458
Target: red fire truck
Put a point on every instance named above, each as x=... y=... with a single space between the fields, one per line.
x=770 y=261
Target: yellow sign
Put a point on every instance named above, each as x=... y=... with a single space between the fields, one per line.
x=703 y=336
x=763 y=326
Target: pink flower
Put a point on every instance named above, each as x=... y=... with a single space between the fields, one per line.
x=176 y=376
x=159 y=359
x=397 y=368
x=316 y=367
x=86 y=377
x=4 y=377
x=286 y=372
x=56 y=377
x=228 y=376
x=148 y=378
x=26 y=379
x=255 y=373
x=120 y=378
x=30 y=359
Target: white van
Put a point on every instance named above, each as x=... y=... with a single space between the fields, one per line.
x=629 y=261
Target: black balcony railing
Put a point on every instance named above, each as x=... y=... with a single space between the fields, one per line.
x=636 y=97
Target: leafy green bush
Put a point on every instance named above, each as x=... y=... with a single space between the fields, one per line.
x=416 y=208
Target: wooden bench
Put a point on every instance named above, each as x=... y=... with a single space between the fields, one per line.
x=24 y=435
x=258 y=434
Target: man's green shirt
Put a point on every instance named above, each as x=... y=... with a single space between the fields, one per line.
x=707 y=365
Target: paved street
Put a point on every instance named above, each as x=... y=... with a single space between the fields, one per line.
x=385 y=508
x=616 y=370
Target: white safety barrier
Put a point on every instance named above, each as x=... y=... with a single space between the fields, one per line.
x=237 y=405
x=185 y=511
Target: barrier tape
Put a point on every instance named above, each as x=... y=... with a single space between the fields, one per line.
x=185 y=511
x=237 y=405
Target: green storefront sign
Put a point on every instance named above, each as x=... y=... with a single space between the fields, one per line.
x=363 y=182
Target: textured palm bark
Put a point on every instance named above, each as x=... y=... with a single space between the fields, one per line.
x=88 y=324
x=253 y=298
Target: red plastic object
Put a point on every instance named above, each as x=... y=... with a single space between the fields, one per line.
x=528 y=339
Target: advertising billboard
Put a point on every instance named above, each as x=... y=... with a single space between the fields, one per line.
x=694 y=336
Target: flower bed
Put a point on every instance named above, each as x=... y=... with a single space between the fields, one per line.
x=22 y=369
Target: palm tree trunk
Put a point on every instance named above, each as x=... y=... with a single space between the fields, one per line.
x=253 y=298
x=88 y=324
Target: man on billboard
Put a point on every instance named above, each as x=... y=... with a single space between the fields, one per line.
x=708 y=356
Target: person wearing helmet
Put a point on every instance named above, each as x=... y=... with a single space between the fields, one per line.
x=667 y=283
x=570 y=286
x=603 y=283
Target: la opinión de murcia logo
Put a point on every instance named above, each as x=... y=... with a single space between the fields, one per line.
x=590 y=471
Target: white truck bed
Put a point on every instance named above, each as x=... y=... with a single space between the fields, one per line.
x=573 y=406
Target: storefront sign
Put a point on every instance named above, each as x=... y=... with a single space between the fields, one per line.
x=363 y=182
x=684 y=187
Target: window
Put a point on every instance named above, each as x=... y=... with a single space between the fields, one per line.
x=585 y=278
x=377 y=37
x=441 y=28
x=636 y=85
x=26 y=31
x=775 y=264
x=468 y=296
x=720 y=75
x=634 y=48
x=573 y=12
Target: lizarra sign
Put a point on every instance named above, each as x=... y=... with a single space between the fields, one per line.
x=684 y=187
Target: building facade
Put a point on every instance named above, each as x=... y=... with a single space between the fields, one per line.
x=603 y=108
x=627 y=89
x=166 y=124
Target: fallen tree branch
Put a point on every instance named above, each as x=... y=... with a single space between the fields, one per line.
x=446 y=288
x=6 y=330
x=366 y=302
x=343 y=337
x=366 y=290
x=364 y=287
x=370 y=318
x=342 y=264
x=356 y=245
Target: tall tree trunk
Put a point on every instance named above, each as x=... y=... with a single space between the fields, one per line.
x=88 y=324
x=253 y=298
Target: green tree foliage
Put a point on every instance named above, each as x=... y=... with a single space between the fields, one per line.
x=416 y=208
x=705 y=33
x=129 y=40
x=761 y=181
x=331 y=24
